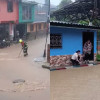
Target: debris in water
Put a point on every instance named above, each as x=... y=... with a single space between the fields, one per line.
x=41 y=59
x=19 y=81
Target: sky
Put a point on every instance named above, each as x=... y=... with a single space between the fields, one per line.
x=56 y=2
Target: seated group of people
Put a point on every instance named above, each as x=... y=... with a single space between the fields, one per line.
x=87 y=48
x=77 y=57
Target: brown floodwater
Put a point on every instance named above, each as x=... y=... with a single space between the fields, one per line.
x=75 y=84
x=12 y=67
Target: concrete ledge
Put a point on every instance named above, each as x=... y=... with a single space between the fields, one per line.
x=46 y=65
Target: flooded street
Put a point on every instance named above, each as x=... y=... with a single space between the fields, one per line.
x=12 y=67
x=76 y=84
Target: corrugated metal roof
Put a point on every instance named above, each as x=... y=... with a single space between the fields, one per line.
x=75 y=25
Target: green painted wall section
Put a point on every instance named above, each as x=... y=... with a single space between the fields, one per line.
x=20 y=13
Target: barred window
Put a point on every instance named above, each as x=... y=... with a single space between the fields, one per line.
x=55 y=41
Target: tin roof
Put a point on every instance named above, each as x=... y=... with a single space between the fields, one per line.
x=70 y=25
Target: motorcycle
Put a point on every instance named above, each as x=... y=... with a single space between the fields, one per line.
x=4 y=43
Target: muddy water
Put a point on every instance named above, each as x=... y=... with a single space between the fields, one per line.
x=12 y=67
x=76 y=84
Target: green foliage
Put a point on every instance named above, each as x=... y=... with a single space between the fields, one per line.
x=98 y=57
x=84 y=22
x=64 y=3
x=52 y=18
x=96 y=22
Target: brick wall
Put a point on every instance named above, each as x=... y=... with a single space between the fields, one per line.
x=62 y=61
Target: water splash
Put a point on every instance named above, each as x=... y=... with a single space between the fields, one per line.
x=27 y=87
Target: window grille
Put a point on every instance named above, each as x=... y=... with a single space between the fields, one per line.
x=55 y=41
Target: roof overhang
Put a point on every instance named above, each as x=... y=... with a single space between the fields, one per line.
x=72 y=25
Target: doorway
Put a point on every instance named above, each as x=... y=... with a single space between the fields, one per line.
x=22 y=29
x=89 y=36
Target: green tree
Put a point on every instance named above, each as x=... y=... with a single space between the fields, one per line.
x=64 y=3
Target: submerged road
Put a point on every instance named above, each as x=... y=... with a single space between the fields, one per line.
x=12 y=67
x=76 y=84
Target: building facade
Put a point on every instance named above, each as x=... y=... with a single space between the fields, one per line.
x=23 y=17
x=39 y=26
x=8 y=17
x=26 y=16
x=66 y=39
x=26 y=12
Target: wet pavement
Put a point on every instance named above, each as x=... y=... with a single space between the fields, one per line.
x=12 y=67
x=75 y=84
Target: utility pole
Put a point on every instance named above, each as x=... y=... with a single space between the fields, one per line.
x=48 y=26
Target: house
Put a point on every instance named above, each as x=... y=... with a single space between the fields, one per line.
x=21 y=16
x=26 y=16
x=67 y=38
x=8 y=17
x=39 y=26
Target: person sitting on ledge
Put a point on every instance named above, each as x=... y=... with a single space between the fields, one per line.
x=75 y=58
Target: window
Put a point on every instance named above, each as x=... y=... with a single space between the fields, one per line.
x=55 y=41
x=31 y=27
x=26 y=12
x=39 y=26
x=10 y=6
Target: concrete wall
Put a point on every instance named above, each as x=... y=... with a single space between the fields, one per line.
x=71 y=40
